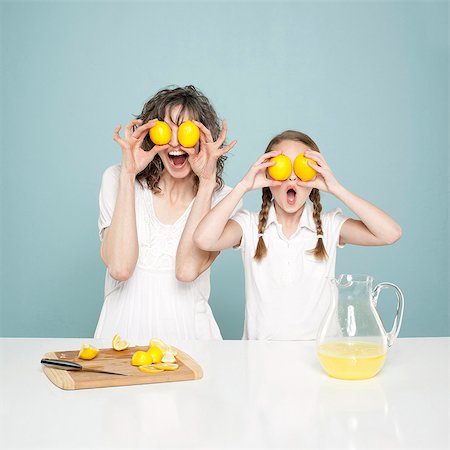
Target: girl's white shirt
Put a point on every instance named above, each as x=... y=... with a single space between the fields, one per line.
x=287 y=292
x=152 y=302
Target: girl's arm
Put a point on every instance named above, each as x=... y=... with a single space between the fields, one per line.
x=216 y=232
x=119 y=249
x=375 y=227
x=191 y=261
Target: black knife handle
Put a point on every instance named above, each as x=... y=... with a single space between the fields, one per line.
x=60 y=364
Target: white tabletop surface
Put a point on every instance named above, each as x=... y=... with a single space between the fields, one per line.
x=253 y=395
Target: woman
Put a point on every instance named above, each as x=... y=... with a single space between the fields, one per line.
x=157 y=281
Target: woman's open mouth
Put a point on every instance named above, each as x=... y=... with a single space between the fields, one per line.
x=291 y=196
x=178 y=158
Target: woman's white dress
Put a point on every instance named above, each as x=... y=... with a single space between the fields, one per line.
x=152 y=302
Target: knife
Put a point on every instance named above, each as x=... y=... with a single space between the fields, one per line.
x=71 y=365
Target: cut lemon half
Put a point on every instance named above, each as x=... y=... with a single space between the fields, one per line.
x=87 y=352
x=159 y=344
x=166 y=366
x=156 y=353
x=119 y=344
x=141 y=358
x=150 y=369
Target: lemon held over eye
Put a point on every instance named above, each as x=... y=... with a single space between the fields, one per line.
x=282 y=168
x=302 y=168
x=188 y=134
x=161 y=133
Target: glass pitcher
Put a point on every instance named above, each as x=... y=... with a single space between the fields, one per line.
x=351 y=341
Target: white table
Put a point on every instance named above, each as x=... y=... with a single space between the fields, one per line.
x=253 y=395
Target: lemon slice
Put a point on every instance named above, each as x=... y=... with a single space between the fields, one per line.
x=150 y=369
x=87 y=352
x=168 y=357
x=166 y=366
x=119 y=344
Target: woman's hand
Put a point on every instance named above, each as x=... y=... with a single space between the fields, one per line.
x=256 y=177
x=324 y=180
x=204 y=161
x=134 y=158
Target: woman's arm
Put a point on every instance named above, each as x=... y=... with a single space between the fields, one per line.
x=191 y=261
x=215 y=232
x=375 y=227
x=119 y=249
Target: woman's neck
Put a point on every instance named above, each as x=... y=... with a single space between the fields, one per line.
x=176 y=189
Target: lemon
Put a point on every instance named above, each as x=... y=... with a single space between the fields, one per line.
x=161 y=133
x=87 y=352
x=168 y=357
x=282 y=168
x=150 y=369
x=156 y=354
x=119 y=344
x=141 y=358
x=188 y=134
x=159 y=343
x=302 y=168
x=166 y=366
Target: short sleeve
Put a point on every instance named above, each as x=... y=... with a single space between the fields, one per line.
x=107 y=197
x=243 y=219
x=222 y=193
x=334 y=220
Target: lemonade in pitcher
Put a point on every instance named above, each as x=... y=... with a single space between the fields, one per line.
x=352 y=342
x=351 y=360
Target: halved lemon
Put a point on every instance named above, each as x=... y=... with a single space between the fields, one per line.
x=166 y=366
x=141 y=358
x=119 y=344
x=150 y=369
x=87 y=352
x=156 y=353
x=159 y=343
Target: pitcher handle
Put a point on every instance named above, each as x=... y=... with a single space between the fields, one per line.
x=398 y=316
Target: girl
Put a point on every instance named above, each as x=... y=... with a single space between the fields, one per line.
x=289 y=247
x=157 y=281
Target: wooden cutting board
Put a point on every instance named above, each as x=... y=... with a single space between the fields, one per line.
x=114 y=361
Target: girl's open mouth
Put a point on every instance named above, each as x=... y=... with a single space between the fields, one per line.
x=178 y=158
x=291 y=196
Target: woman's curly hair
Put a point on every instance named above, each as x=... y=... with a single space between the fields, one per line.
x=198 y=106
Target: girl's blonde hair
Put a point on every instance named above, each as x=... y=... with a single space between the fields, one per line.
x=261 y=250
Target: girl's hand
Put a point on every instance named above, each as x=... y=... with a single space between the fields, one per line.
x=204 y=161
x=134 y=158
x=256 y=177
x=324 y=180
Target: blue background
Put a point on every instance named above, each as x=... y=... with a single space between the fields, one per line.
x=367 y=81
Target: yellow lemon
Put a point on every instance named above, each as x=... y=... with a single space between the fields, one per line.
x=282 y=168
x=141 y=358
x=166 y=366
x=159 y=343
x=156 y=354
x=302 y=169
x=161 y=133
x=168 y=357
x=88 y=352
x=188 y=134
x=119 y=344
x=150 y=369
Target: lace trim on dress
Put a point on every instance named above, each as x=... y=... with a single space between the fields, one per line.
x=159 y=242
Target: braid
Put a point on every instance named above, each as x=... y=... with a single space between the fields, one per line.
x=319 y=251
x=261 y=249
